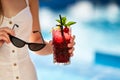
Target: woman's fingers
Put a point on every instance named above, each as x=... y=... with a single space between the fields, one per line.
x=4 y=39
x=71 y=51
x=7 y=30
x=73 y=38
x=4 y=34
x=72 y=43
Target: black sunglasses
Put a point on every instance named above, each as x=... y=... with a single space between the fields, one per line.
x=20 y=43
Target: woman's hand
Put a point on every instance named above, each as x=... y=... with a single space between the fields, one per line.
x=71 y=45
x=4 y=35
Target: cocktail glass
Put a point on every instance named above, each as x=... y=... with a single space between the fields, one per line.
x=60 y=42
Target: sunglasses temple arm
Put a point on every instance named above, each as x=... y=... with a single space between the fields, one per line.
x=40 y=35
x=14 y=26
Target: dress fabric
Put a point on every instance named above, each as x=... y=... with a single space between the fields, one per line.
x=15 y=63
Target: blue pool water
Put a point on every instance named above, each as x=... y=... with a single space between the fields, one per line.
x=97 y=49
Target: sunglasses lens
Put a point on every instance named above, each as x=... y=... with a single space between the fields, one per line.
x=36 y=46
x=17 y=42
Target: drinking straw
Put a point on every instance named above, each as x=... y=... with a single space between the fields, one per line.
x=61 y=27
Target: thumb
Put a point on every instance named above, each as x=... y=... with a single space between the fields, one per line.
x=50 y=42
x=1 y=42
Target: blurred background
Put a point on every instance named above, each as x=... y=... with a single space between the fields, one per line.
x=97 y=49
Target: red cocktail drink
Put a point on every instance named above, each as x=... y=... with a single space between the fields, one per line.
x=61 y=37
x=60 y=41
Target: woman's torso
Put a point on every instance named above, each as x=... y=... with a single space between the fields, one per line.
x=15 y=62
x=24 y=19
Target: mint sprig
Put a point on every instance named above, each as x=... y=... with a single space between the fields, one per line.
x=65 y=23
x=70 y=23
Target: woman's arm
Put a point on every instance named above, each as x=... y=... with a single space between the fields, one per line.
x=35 y=37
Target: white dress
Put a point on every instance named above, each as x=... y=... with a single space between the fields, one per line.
x=15 y=63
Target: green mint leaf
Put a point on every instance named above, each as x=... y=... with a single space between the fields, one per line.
x=58 y=21
x=70 y=23
x=65 y=25
x=64 y=20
